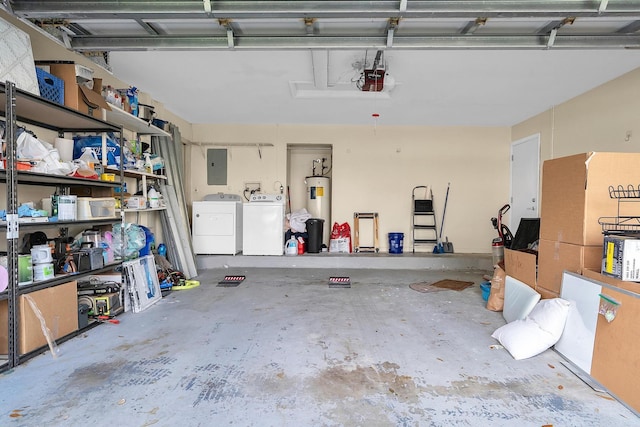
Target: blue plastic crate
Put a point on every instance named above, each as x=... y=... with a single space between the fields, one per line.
x=51 y=87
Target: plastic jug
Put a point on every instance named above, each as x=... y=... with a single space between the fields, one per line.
x=154 y=198
x=291 y=248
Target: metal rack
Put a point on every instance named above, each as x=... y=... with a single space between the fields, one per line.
x=424 y=230
x=622 y=223
x=20 y=106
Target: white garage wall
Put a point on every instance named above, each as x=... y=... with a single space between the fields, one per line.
x=598 y=120
x=376 y=170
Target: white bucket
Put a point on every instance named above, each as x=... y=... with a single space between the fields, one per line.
x=41 y=254
x=42 y=272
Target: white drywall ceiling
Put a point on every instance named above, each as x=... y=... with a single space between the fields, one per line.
x=433 y=87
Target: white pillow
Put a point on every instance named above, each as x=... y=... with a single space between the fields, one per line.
x=537 y=332
x=551 y=315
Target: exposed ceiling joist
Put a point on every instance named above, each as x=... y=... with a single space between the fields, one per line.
x=148 y=28
x=130 y=9
x=118 y=25
x=619 y=41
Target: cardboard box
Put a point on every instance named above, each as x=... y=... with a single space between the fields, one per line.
x=521 y=265
x=617 y=343
x=556 y=257
x=59 y=307
x=78 y=96
x=575 y=194
x=621 y=258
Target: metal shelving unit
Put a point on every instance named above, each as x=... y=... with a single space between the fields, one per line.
x=20 y=106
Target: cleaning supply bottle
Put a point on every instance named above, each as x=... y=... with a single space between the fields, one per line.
x=291 y=248
x=154 y=198
x=148 y=166
x=90 y=157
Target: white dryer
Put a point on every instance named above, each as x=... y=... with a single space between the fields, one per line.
x=217 y=225
x=263 y=225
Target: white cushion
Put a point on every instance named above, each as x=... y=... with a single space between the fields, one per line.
x=551 y=315
x=519 y=299
x=537 y=332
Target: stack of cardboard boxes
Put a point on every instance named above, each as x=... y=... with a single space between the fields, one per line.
x=575 y=195
x=576 y=200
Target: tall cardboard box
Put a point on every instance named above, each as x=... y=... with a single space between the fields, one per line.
x=615 y=362
x=59 y=307
x=575 y=194
x=556 y=257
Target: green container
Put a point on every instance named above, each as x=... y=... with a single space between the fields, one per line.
x=25 y=270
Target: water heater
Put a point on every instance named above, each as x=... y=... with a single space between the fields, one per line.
x=319 y=202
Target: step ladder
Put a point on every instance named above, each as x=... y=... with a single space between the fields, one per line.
x=424 y=229
x=357 y=216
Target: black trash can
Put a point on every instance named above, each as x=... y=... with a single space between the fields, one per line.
x=314 y=229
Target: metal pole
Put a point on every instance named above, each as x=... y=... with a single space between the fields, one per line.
x=12 y=225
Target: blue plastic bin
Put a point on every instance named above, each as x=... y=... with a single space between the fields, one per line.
x=396 y=243
x=51 y=87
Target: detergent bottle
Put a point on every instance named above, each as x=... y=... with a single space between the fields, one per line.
x=291 y=248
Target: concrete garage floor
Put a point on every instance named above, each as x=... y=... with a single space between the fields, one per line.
x=283 y=349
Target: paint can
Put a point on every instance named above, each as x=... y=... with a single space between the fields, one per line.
x=42 y=272
x=41 y=254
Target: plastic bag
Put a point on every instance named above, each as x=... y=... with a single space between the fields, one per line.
x=134 y=238
x=81 y=143
x=608 y=307
x=340 y=238
x=30 y=147
x=86 y=164
x=47 y=158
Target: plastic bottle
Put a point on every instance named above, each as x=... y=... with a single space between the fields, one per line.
x=90 y=158
x=148 y=166
x=154 y=198
x=291 y=248
x=162 y=250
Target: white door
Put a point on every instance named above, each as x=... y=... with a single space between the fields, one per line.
x=525 y=180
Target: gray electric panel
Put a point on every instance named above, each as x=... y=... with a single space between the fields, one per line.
x=217 y=166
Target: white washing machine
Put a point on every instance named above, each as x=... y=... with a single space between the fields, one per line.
x=263 y=225
x=217 y=225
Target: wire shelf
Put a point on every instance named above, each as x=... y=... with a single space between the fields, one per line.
x=617 y=225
